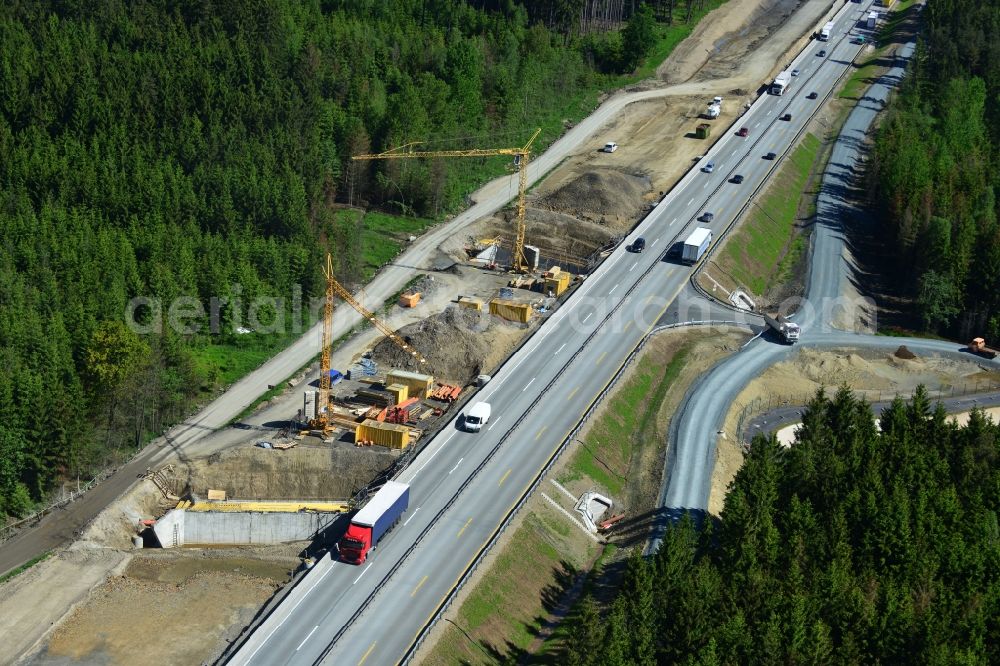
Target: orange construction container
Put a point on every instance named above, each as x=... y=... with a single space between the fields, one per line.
x=418 y=385
x=409 y=300
x=557 y=283
x=511 y=310
x=391 y=435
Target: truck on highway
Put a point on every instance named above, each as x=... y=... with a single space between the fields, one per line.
x=371 y=523
x=781 y=82
x=978 y=347
x=824 y=34
x=788 y=330
x=696 y=245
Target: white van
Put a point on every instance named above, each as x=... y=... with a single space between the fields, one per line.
x=477 y=417
x=610 y=147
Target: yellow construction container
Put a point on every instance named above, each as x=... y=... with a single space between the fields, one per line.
x=557 y=283
x=409 y=300
x=400 y=392
x=392 y=435
x=511 y=310
x=471 y=304
x=418 y=385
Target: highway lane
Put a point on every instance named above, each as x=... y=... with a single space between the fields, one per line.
x=577 y=351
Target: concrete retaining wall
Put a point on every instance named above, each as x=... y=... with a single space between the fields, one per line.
x=180 y=527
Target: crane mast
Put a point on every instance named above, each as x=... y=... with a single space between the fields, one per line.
x=521 y=156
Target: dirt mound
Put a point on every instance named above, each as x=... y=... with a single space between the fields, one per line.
x=303 y=472
x=903 y=352
x=599 y=194
x=457 y=343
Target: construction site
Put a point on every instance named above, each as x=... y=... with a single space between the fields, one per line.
x=231 y=521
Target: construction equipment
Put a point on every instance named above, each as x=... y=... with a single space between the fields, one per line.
x=321 y=420
x=376 y=322
x=978 y=347
x=518 y=262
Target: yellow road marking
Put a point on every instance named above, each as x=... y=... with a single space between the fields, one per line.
x=544 y=428
x=648 y=299
x=601 y=358
x=367 y=653
x=463 y=527
x=419 y=585
x=504 y=478
x=628 y=325
x=572 y=393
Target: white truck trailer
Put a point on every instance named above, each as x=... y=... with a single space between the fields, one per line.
x=824 y=34
x=788 y=330
x=781 y=82
x=872 y=19
x=696 y=245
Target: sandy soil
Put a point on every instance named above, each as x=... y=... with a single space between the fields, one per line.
x=875 y=376
x=167 y=609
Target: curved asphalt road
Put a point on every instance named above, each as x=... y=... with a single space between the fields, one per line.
x=694 y=434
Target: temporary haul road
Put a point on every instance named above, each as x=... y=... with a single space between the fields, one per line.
x=464 y=487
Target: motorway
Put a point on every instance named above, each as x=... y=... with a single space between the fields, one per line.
x=464 y=487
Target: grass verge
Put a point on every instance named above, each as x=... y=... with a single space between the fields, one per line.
x=762 y=251
x=24 y=567
x=870 y=68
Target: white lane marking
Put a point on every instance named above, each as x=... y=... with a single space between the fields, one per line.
x=614 y=287
x=735 y=151
x=633 y=267
x=673 y=222
x=456 y=465
x=495 y=422
x=307 y=638
x=691 y=201
x=252 y=654
x=757 y=123
x=411 y=516
x=583 y=322
x=705 y=185
x=768 y=113
x=362 y=573
x=533 y=379
x=653 y=243
x=561 y=347
x=432 y=456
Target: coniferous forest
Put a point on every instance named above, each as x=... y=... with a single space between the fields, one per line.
x=854 y=546
x=937 y=160
x=185 y=148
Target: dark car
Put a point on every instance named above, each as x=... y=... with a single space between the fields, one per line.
x=743 y=132
x=639 y=244
x=738 y=178
x=770 y=156
x=812 y=95
x=707 y=216
x=787 y=116
x=822 y=53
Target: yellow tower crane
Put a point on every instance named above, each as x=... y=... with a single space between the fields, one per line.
x=521 y=155
x=334 y=288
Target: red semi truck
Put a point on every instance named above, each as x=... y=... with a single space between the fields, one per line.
x=371 y=523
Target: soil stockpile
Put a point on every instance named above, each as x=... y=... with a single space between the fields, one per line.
x=303 y=472
x=457 y=343
x=606 y=195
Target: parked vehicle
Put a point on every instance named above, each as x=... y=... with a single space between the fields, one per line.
x=610 y=147
x=371 y=523
x=696 y=245
x=788 y=330
x=477 y=417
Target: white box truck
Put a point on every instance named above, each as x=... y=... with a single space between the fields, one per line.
x=872 y=18
x=781 y=83
x=824 y=34
x=696 y=245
